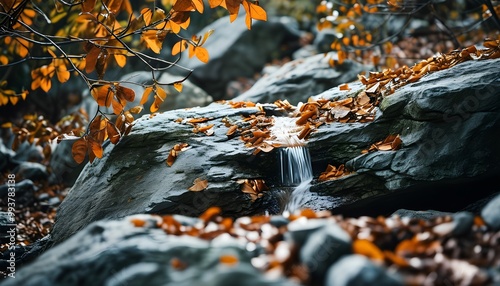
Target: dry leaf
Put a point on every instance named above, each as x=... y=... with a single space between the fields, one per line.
x=198 y=185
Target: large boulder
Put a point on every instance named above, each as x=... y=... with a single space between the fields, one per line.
x=118 y=253
x=300 y=79
x=447 y=122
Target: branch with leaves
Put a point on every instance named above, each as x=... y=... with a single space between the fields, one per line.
x=85 y=38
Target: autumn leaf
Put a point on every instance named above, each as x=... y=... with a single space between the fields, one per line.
x=202 y=54
x=253 y=12
x=178 y=86
x=103 y=95
x=145 y=95
x=199 y=185
x=228 y=260
x=174 y=152
x=113 y=133
x=79 y=150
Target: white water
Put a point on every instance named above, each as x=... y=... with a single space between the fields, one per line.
x=295 y=162
x=295 y=165
x=296 y=170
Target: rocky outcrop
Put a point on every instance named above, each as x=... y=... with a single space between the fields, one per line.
x=447 y=123
x=308 y=248
x=300 y=79
x=118 y=253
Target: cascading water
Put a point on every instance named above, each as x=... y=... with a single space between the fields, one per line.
x=295 y=163
x=296 y=171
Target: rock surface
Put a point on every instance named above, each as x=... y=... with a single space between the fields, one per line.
x=446 y=122
x=118 y=253
x=300 y=79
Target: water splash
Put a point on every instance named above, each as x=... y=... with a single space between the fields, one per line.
x=296 y=170
x=295 y=162
x=295 y=165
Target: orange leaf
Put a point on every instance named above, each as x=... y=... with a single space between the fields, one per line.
x=210 y=213
x=113 y=133
x=344 y=86
x=179 y=47
x=215 y=3
x=88 y=5
x=178 y=86
x=103 y=95
x=137 y=222
x=367 y=248
x=117 y=106
x=91 y=59
x=162 y=94
x=145 y=95
x=126 y=93
x=136 y=109
x=79 y=150
x=228 y=259
x=202 y=54
x=62 y=73
x=253 y=12
x=96 y=147
x=120 y=59
x=199 y=185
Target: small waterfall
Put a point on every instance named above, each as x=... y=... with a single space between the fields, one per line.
x=295 y=163
x=296 y=170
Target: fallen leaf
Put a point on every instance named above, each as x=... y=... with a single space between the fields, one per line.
x=198 y=185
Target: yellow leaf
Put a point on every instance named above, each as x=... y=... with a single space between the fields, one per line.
x=13 y=99
x=145 y=95
x=162 y=94
x=198 y=185
x=178 y=86
x=146 y=15
x=62 y=73
x=253 y=12
x=152 y=41
x=121 y=60
x=4 y=60
x=136 y=109
x=202 y=54
x=179 y=47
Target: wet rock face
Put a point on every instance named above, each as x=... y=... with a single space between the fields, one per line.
x=444 y=153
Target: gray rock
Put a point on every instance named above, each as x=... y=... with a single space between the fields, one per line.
x=491 y=213
x=357 y=270
x=323 y=248
x=463 y=222
x=300 y=230
x=118 y=253
x=24 y=192
x=6 y=157
x=444 y=153
x=300 y=79
x=32 y=171
x=128 y=181
x=238 y=52
x=63 y=166
x=425 y=215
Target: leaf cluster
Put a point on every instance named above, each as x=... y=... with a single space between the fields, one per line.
x=83 y=39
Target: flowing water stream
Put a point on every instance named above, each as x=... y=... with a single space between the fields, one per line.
x=295 y=163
